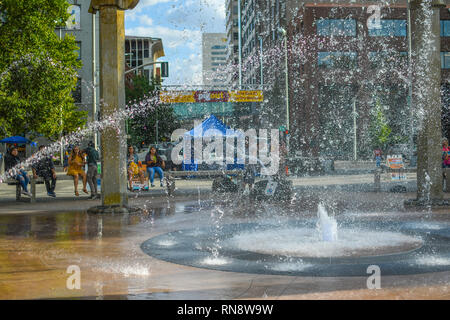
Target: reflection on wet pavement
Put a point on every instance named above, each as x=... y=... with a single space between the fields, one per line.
x=36 y=250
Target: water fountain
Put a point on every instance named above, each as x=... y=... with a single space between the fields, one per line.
x=309 y=246
x=318 y=244
x=327 y=226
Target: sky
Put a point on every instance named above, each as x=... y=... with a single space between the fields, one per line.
x=180 y=24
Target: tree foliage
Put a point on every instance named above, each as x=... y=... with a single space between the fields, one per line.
x=142 y=125
x=38 y=70
x=380 y=131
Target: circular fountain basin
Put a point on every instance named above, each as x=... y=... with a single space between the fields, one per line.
x=304 y=242
x=295 y=248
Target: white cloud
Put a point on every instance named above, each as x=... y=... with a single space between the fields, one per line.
x=171 y=38
x=186 y=70
x=217 y=5
x=179 y=23
x=145 y=20
x=148 y=3
x=206 y=15
x=134 y=14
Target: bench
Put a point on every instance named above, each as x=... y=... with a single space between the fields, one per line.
x=33 y=183
x=377 y=176
x=171 y=175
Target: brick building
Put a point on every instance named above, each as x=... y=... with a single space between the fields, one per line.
x=338 y=63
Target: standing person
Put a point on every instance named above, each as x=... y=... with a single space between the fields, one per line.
x=11 y=160
x=445 y=154
x=377 y=156
x=154 y=164
x=46 y=169
x=249 y=177
x=133 y=167
x=76 y=164
x=66 y=157
x=92 y=159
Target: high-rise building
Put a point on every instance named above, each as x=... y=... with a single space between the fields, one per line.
x=336 y=64
x=249 y=41
x=342 y=66
x=85 y=27
x=259 y=26
x=232 y=32
x=214 y=59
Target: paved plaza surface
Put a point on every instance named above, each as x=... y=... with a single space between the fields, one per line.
x=39 y=241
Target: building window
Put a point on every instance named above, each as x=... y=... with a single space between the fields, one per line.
x=389 y=28
x=146 y=49
x=74 y=21
x=218 y=47
x=147 y=74
x=381 y=58
x=76 y=94
x=445 y=28
x=445 y=60
x=336 y=27
x=339 y=60
x=219 y=53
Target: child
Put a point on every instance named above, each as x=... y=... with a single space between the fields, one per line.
x=377 y=155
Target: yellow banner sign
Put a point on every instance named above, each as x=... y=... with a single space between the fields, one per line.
x=246 y=96
x=211 y=96
x=177 y=96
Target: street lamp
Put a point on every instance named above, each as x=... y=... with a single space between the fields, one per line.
x=284 y=34
x=240 y=44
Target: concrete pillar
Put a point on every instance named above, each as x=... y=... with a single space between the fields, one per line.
x=112 y=97
x=426 y=44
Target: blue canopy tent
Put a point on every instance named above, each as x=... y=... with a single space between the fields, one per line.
x=210 y=127
x=14 y=140
x=18 y=140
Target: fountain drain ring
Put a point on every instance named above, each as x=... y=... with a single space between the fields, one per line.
x=195 y=247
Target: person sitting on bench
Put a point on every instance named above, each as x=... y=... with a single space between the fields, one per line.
x=154 y=164
x=11 y=160
x=133 y=168
x=46 y=169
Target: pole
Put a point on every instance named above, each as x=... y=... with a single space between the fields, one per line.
x=261 y=60
x=240 y=44
x=411 y=137
x=287 y=82
x=94 y=80
x=61 y=145
x=354 y=131
x=143 y=65
x=287 y=91
x=426 y=47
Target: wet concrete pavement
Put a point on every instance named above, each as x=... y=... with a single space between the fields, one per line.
x=38 y=245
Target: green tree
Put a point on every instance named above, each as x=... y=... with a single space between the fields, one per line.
x=379 y=130
x=142 y=124
x=38 y=71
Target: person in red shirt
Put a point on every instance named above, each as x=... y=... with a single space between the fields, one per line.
x=445 y=154
x=377 y=155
